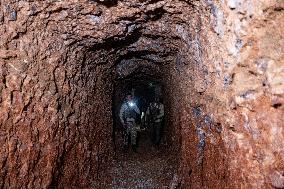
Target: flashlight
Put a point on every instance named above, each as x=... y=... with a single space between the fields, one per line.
x=131 y=104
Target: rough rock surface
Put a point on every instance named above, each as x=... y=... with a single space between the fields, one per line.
x=221 y=63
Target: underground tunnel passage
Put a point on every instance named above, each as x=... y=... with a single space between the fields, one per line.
x=67 y=65
x=153 y=165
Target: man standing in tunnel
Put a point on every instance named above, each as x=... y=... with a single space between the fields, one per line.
x=129 y=113
x=155 y=114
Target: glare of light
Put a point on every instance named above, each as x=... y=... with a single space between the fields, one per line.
x=131 y=104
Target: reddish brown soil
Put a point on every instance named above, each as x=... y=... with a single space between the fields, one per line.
x=149 y=168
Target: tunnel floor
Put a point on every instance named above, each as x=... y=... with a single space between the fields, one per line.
x=149 y=168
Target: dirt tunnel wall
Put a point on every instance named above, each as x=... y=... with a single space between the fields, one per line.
x=222 y=63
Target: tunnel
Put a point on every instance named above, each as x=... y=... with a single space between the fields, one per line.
x=66 y=67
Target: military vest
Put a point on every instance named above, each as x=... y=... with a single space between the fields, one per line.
x=154 y=111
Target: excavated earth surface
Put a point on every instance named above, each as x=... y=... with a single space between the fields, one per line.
x=150 y=167
x=62 y=68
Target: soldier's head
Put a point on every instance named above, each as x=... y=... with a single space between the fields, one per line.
x=128 y=97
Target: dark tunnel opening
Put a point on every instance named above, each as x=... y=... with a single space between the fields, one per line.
x=154 y=156
x=151 y=160
x=144 y=91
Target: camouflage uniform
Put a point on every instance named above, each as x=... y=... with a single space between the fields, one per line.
x=128 y=117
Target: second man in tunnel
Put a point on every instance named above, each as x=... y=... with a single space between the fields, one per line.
x=155 y=114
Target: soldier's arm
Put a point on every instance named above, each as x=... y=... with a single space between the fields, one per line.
x=162 y=112
x=136 y=109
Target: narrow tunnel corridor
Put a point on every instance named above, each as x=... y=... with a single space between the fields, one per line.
x=66 y=68
x=152 y=166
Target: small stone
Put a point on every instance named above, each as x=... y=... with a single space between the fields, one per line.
x=234 y=46
x=196 y=111
x=232 y=4
x=207 y=119
x=228 y=79
x=33 y=10
x=249 y=94
x=239 y=44
x=262 y=63
x=227 y=64
x=131 y=28
x=95 y=18
x=13 y=15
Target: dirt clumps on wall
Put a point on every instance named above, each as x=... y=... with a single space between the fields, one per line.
x=221 y=63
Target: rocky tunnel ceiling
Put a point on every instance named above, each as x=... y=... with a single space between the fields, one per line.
x=220 y=63
x=147 y=37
